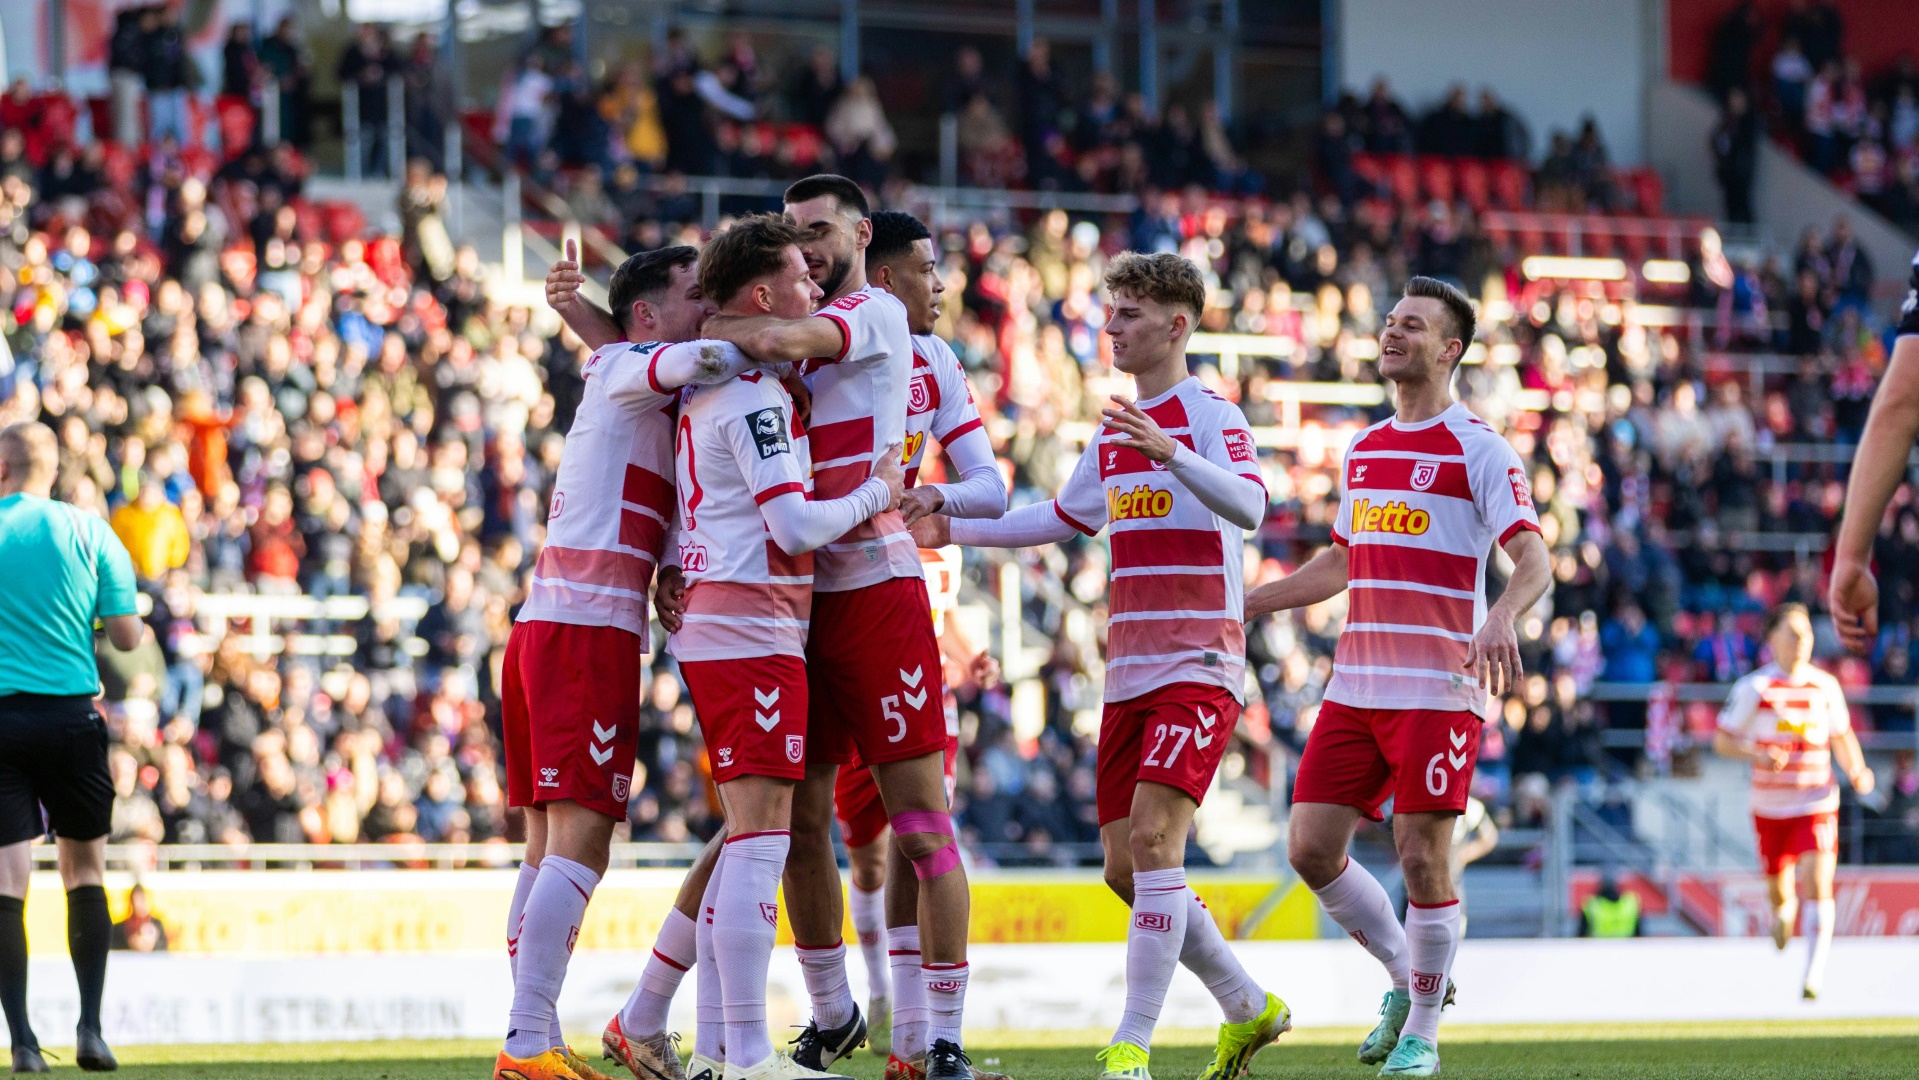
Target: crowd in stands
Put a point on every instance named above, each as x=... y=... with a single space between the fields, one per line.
x=1795 y=80
x=264 y=404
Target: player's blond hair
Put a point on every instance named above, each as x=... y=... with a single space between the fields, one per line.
x=1161 y=277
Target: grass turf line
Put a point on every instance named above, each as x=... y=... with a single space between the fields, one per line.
x=1854 y=1050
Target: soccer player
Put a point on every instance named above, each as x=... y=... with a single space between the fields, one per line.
x=1877 y=471
x=747 y=531
x=1427 y=494
x=1175 y=477
x=1790 y=720
x=871 y=659
x=571 y=685
x=900 y=259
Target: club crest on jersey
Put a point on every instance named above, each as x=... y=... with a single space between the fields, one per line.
x=622 y=785
x=769 y=431
x=1392 y=517
x=1424 y=473
x=1144 y=501
x=795 y=748
x=919 y=396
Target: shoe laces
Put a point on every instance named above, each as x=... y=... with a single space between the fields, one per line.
x=946 y=1050
x=1105 y=1054
x=808 y=1038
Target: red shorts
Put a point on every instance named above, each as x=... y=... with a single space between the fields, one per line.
x=1175 y=735
x=570 y=706
x=1422 y=758
x=1783 y=840
x=856 y=800
x=876 y=677
x=752 y=714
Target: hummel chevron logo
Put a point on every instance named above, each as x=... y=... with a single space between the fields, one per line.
x=1205 y=721
x=766 y=720
x=914 y=678
x=767 y=700
x=916 y=700
x=1456 y=757
x=1456 y=760
x=1202 y=740
x=1457 y=738
x=601 y=754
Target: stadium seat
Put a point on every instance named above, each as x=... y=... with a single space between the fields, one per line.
x=1596 y=236
x=344 y=221
x=1402 y=177
x=235 y=119
x=1475 y=184
x=1436 y=179
x=1510 y=184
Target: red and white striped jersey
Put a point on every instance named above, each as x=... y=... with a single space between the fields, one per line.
x=1422 y=507
x=938 y=401
x=613 y=498
x=1771 y=708
x=1178 y=569
x=859 y=409
x=738 y=445
x=943 y=568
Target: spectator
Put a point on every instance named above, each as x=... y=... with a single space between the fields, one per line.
x=126 y=70
x=1501 y=133
x=1730 y=66
x=170 y=78
x=366 y=65
x=140 y=931
x=240 y=70
x=1449 y=129
x=153 y=530
x=860 y=135
x=816 y=86
x=284 y=60
x=1735 y=153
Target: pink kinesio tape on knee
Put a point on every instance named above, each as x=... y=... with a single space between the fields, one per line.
x=929 y=821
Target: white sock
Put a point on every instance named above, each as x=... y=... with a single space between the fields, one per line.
x=1820 y=919
x=555 y=907
x=1359 y=904
x=743 y=931
x=945 y=1000
x=674 y=951
x=1153 y=941
x=912 y=1017
x=825 y=972
x=709 y=1032
x=515 y=909
x=1432 y=936
x=1206 y=954
x=869 y=922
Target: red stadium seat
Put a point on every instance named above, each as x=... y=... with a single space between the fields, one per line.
x=1596 y=236
x=344 y=221
x=1649 y=191
x=1475 y=184
x=1436 y=179
x=118 y=165
x=236 y=125
x=1369 y=168
x=1510 y=182
x=1402 y=176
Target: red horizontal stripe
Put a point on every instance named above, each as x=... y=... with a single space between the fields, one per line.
x=1168 y=592
x=1170 y=413
x=1514 y=530
x=1396 y=475
x=1073 y=521
x=1447 y=904
x=763 y=600
x=641 y=532
x=1151 y=637
x=648 y=489
x=609 y=569
x=1413 y=608
x=1124 y=460
x=669 y=961
x=791 y=487
x=839 y=481
x=971 y=425
x=842 y=438
x=1167 y=547
x=762 y=832
x=780 y=564
x=1383 y=649
x=1437 y=439
x=841 y=944
x=1409 y=562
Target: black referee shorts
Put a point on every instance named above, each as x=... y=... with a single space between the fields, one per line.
x=53 y=755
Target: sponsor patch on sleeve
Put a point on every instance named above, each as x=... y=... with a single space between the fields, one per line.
x=1239 y=446
x=1522 y=490
x=769 y=431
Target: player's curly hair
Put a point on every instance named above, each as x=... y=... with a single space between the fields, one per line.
x=748 y=250
x=1162 y=277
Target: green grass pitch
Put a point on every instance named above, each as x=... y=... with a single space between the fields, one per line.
x=1848 y=1049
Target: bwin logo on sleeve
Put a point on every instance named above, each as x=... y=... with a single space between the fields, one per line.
x=769 y=431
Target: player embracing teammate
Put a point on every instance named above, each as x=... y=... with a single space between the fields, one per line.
x=1426 y=495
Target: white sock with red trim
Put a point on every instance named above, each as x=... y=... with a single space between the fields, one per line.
x=1153 y=942
x=1205 y=953
x=1359 y=904
x=825 y=971
x=515 y=910
x=869 y=922
x=912 y=1017
x=1820 y=917
x=1432 y=936
x=709 y=1032
x=674 y=951
x=555 y=907
x=744 y=924
x=945 y=1000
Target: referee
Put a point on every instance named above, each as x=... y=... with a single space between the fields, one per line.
x=62 y=568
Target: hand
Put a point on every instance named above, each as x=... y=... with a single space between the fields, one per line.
x=563 y=281
x=1863 y=782
x=1772 y=756
x=933 y=531
x=888 y=471
x=796 y=389
x=984 y=671
x=1493 y=655
x=1855 y=604
x=1142 y=433
x=669 y=598
x=919 y=502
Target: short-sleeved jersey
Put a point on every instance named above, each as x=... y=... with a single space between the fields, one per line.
x=938 y=402
x=1178 y=568
x=1422 y=507
x=64 y=568
x=859 y=409
x=1770 y=708
x=738 y=445
x=1909 y=311
x=613 y=498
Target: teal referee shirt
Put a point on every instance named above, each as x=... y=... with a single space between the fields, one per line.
x=60 y=568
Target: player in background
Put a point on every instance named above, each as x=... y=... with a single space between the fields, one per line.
x=900 y=259
x=747 y=533
x=1175 y=477
x=571 y=683
x=1791 y=720
x=872 y=661
x=1878 y=468
x=1427 y=493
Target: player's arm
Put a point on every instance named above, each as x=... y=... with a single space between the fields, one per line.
x=773 y=340
x=1877 y=468
x=595 y=327
x=1493 y=654
x=980 y=492
x=1852 y=761
x=800 y=524
x=1735 y=720
x=669 y=584
x=1029 y=526
x=1237 y=498
x=1321 y=578
x=114 y=602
